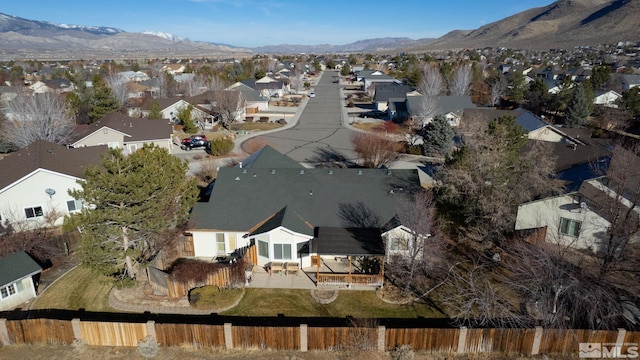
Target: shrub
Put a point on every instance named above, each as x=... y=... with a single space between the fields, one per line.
x=402 y=352
x=414 y=150
x=220 y=146
x=191 y=269
x=148 y=347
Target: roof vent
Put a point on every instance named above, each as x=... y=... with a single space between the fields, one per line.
x=359 y=172
x=330 y=172
x=388 y=172
x=254 y=175
x=301 y=172
x=273 y=171
x=237 y=178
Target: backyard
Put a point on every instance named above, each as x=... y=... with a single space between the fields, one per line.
x=83 y=289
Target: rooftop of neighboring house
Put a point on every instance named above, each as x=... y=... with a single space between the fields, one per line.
x=17 y=266
x=53 y=157
x=135 y=129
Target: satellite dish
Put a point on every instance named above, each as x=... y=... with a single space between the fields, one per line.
x=584 y=206
x=49 y=191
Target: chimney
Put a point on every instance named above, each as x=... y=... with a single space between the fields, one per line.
x=240 y=164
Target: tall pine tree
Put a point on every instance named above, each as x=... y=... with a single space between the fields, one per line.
x=130 y=201
x=578 y=109
x=103 y=102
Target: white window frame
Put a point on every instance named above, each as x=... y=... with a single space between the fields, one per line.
x=220 y=250
x=6 y=291
x=263 y=245
x=572 y=228
x=33 y=209
x=283 y=254
x=77 y=204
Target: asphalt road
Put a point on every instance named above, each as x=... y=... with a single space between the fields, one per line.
x=320 y=134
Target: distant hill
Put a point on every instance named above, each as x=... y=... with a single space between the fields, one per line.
x=369 y=45
x=26 y=37
x=563 y=24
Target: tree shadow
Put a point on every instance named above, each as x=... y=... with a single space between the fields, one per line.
x=330 y=157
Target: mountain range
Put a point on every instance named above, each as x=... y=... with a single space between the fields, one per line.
x=562 y=24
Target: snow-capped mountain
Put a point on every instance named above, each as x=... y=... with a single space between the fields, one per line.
x=165 y=35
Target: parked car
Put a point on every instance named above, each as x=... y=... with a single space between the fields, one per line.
x=311 y=94
x=194 y=141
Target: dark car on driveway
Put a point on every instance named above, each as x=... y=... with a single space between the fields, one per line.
x=194 y=141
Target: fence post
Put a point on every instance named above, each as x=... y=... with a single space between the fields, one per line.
x=151 y=330
x=382 y=338
x=462 y=339
x=228 y=336
x=304 y=340
x=4 y=333
x=537 y=339
x=75 y=325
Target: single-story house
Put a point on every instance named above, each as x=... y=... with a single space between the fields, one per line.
x=607 y=98
x=452 y=107
x=35 y=183
x=296 y=215
x=117 y=130
x=536 y=128
x=17 y=285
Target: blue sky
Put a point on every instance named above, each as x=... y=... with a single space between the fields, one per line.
x=252 y=23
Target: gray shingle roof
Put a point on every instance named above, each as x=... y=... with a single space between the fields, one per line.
x=45 y=155
x=288 y=219
x=348 y=241
x=269 y=158
x=244 y=198
x=136 y=129
x=17 y=266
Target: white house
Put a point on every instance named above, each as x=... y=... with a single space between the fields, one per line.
x=608 y=99
x=577 y=219
x=16 y=280
x=35 y=183
x=297 y=215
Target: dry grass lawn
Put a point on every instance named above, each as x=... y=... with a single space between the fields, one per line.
x=78 y=289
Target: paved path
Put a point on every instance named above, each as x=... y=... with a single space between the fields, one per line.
x=319 y=131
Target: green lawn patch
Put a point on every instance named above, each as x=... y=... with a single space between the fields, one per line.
x=78 y=289
x=298 y=303
x=214 y=297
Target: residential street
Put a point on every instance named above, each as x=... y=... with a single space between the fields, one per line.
x=319 y=133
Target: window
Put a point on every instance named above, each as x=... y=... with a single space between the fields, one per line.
x=282 y=251
x=570 y=227
x=33 y=212
x=303 y=248
x=7 y=291
x=74 y=205
x=263 y=248
x=220 y=243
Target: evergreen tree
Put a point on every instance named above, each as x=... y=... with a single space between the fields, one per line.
x=103 y=102
x=517 y=87
x=346 y=70
x=155 y=112
x=578 y=108
x=437 y=137
x=184 y=116
x=130 y=201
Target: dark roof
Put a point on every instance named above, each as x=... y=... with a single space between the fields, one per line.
x=288 y=219
x=269 y=158
x=444 y=105
x=483 y=116
x=243 y=198
x=386 y=91
x=46 y=155
x=136 y=129
x=347 y=241
x=17 y=266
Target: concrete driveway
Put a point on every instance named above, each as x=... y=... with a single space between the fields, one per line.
x=319 y=133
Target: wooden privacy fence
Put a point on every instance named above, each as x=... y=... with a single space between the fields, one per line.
x=304 y=337
x=222 y=277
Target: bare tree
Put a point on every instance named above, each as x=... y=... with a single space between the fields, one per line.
x=200 y=84
x=461 y=80
x=473 y=297
x=427 y=107
x=374 y=150
x=119 y=87
x=619 y=202
x=228 y=104
x=432 y=83
x=37 y=117
x=420 y=248
x=559 y=287
x=499 y=86
x=297 y=81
